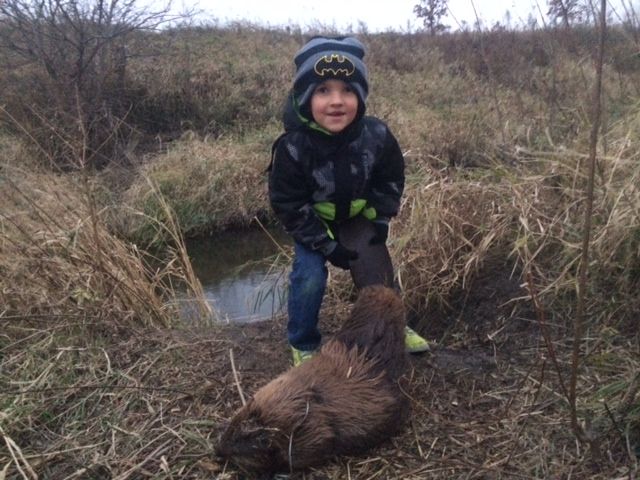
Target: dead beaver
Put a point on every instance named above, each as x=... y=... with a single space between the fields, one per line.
x=343 y=401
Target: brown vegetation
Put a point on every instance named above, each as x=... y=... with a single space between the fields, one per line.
x=58 y=257
x=495 y=128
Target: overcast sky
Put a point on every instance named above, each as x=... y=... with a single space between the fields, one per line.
x=378 y=15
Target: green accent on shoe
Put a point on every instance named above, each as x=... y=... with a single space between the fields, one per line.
x=301 y=356
x=414 y=343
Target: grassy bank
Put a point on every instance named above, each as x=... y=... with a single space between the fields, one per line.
x=96 y=382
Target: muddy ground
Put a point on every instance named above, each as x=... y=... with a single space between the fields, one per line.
x=485 y=402
x=467 y=405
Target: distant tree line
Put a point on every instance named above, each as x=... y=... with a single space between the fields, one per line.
x=566 y=13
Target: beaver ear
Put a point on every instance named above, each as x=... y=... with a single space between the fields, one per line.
x=239 y=436
x=271 y=443
x=263 y=436
x=233 y=427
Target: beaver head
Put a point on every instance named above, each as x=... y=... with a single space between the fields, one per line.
x=253 y=446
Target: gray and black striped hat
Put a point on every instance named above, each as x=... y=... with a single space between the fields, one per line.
x=324 y=58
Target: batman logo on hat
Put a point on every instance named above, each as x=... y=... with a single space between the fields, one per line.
x=334 y=65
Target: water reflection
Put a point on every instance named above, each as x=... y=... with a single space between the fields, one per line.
x=238 y=276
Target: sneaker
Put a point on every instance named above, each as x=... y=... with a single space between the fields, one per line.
x=301 y=356
x=414 y=343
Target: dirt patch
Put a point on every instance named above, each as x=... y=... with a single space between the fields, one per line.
x=492 y=312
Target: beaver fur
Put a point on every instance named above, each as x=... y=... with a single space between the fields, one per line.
x=343 y=401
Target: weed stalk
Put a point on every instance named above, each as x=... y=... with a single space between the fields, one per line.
x=579 y=319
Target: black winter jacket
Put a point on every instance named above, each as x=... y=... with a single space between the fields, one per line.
x=317 y=180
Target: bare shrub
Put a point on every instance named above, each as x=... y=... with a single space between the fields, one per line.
x=566 y=12
x=71 y=62
x=431 y=12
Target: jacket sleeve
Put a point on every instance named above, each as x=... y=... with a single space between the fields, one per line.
x=387 y=180
x=291 y=198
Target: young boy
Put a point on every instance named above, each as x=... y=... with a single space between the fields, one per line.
x=332 y=168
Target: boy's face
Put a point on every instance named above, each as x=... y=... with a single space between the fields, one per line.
x=334 y=105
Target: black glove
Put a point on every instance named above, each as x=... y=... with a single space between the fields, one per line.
x=382 y=232
x=340 y=256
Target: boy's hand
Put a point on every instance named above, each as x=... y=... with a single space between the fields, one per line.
x=382 y=232
x=341 y=256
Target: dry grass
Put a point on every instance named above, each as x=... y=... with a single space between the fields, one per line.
x=153 y=405
x=212 y=80
x=59 y=258
x=447 y=228
x=487 y=257
x=210 y=185
x=72 y=294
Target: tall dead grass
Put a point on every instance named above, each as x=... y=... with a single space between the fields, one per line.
x=550 y=230
x=448 y=227
x=59 y=258
x=74 y=299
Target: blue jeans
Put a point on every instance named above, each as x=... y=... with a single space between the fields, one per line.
x=307 y=284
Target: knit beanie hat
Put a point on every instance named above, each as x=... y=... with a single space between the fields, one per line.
x=324 y=58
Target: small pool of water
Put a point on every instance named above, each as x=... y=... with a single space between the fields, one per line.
x=238 y=274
